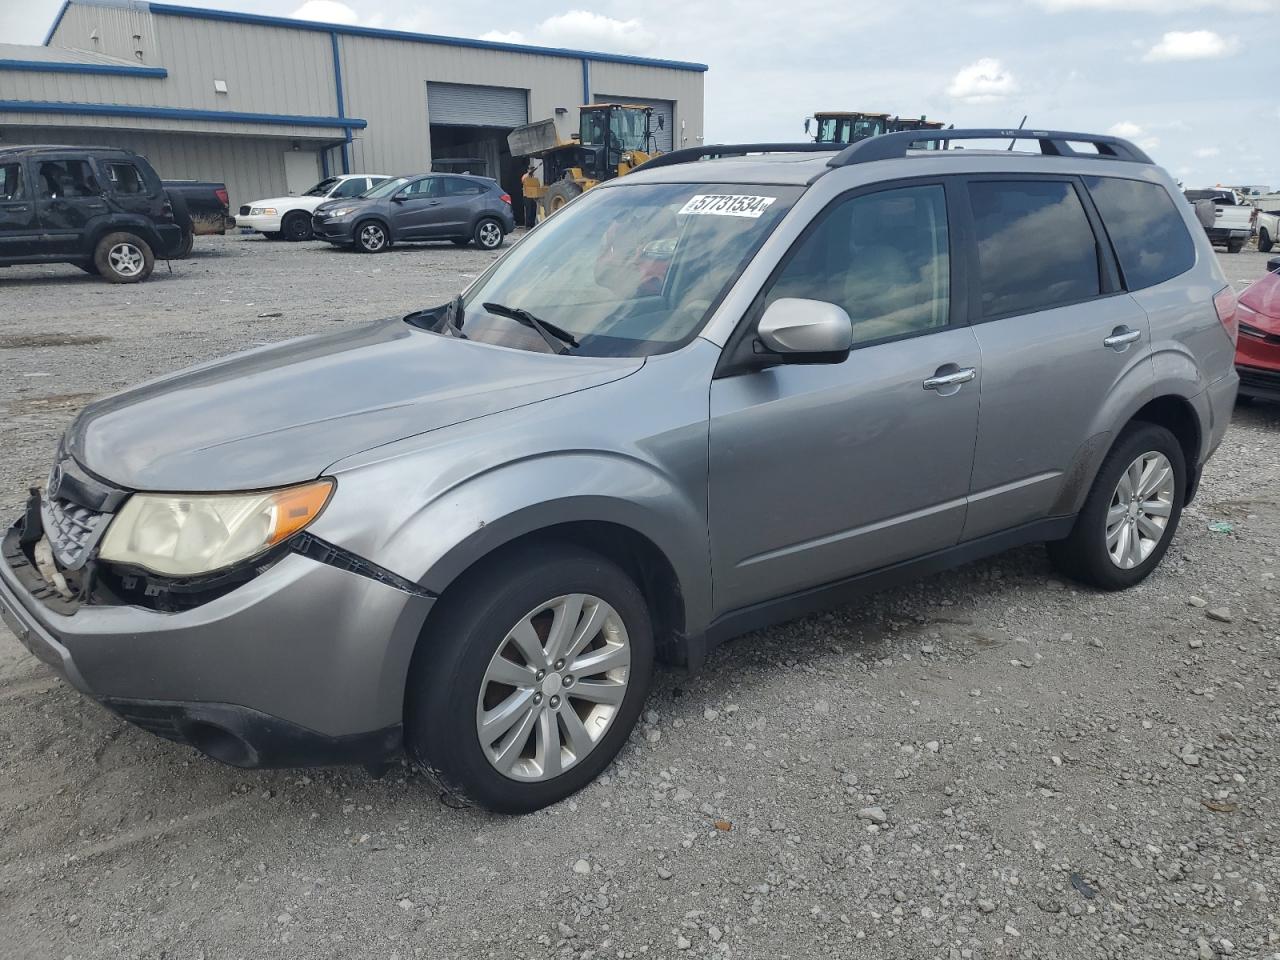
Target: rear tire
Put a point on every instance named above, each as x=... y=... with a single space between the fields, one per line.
x=489 y=234
x=1235 y=246
x=123 y=258
x=371 y=237
x=556 y=721
x=1265 y=240
x=184 y=247
x=296 y=226
x=1112 y=518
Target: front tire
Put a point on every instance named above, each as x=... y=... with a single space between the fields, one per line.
x=297 y=227
x=1131 y=513
x=529 y=677
x=371 y=237
x=123 y=258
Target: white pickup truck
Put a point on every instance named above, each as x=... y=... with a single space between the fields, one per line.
x=1233 y=219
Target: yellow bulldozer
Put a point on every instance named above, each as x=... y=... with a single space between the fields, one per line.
x=612 y=140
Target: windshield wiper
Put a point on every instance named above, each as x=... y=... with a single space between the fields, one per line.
x=561 y=341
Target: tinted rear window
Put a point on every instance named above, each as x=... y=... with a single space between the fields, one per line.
x=1036 y=248
x=1148 y=233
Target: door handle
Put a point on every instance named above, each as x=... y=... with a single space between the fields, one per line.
x=1121 y=337
x=941 y=381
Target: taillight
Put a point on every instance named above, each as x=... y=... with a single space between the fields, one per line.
x=506 y=198
x=1225 y=304
x=221 y=194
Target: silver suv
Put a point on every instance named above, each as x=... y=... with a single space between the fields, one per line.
x=711 y=395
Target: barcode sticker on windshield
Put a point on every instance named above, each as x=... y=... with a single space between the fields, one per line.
x=727 y=205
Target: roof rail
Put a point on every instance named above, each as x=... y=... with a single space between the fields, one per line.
x=1055 y=143
x=716 y=150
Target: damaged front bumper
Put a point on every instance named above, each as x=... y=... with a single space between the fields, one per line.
x=301 y=664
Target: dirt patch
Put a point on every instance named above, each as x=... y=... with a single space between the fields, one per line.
x=19 y=341
x=54 y=401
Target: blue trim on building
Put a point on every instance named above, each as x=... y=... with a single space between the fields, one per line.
x=586 y=80
x=173 y=113
x=173 y=10
x=342 y=110
x=62 y=12
x=63 y=66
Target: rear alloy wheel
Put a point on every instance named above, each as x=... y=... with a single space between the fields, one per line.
x=123 y=258
x=529 y=677
x=297 y=226
x=489 y=234
x=1130 y=515
x=371 y=237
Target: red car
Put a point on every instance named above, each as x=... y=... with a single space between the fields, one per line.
x=1258 y=349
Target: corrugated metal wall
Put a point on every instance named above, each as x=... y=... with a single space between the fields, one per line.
x=116 y=26
x=684 y=87
x=251 y=167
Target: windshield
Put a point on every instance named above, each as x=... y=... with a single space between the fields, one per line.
x=321 y=188
x=631 y=270
x=628 y=130
x=386 y=188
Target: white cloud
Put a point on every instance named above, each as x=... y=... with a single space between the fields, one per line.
x=326 y=11
x=1157 y=6
x=1191 y=45
x=983 y=81
x=1132 y=131
x=582 y=29
x=1206 y=152
x=504 y=36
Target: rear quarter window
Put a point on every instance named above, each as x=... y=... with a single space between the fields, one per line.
x=1150 y=238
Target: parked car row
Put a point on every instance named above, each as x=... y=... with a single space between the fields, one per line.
x=370 y=212
x=1230 y=220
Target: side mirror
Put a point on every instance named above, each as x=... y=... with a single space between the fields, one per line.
x=805 y=331
x=399 y=198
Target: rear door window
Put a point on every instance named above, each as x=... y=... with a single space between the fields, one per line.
x=1150 y=238
x=65 y=179
x=11 y=182
x=462 y=188
x=1036 y=248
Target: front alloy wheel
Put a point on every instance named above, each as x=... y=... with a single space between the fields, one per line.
x=553 y=687
x=371 y=237
x=529 y=676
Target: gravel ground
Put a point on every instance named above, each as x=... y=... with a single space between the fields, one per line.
x=990 y=763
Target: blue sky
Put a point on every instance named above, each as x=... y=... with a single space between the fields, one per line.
x=1196 y=82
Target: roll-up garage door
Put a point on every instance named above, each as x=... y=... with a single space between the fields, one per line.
x=465 y=105
x=661 y=108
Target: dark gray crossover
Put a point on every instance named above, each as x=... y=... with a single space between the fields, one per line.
x=436 y=206
x=708 y=396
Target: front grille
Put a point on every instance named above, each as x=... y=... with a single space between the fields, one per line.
x=73 y=530
x=244 y=211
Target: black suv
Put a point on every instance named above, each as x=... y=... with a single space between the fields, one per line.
x=101 y=208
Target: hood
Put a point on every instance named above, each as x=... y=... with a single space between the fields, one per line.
x=282 y=414
x=344 y=202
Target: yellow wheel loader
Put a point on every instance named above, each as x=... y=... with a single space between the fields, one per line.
x=612 y=140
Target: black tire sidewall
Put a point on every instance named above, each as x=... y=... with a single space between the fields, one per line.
x=480 y=225
x=288 y=224
x=455 y=652
x=1085 y=552
x=102 y=260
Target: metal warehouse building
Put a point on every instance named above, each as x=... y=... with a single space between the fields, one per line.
x=269 y=105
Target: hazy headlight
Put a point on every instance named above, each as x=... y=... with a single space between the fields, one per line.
x=182 y=535
x=263 y=212
x=339 y=211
